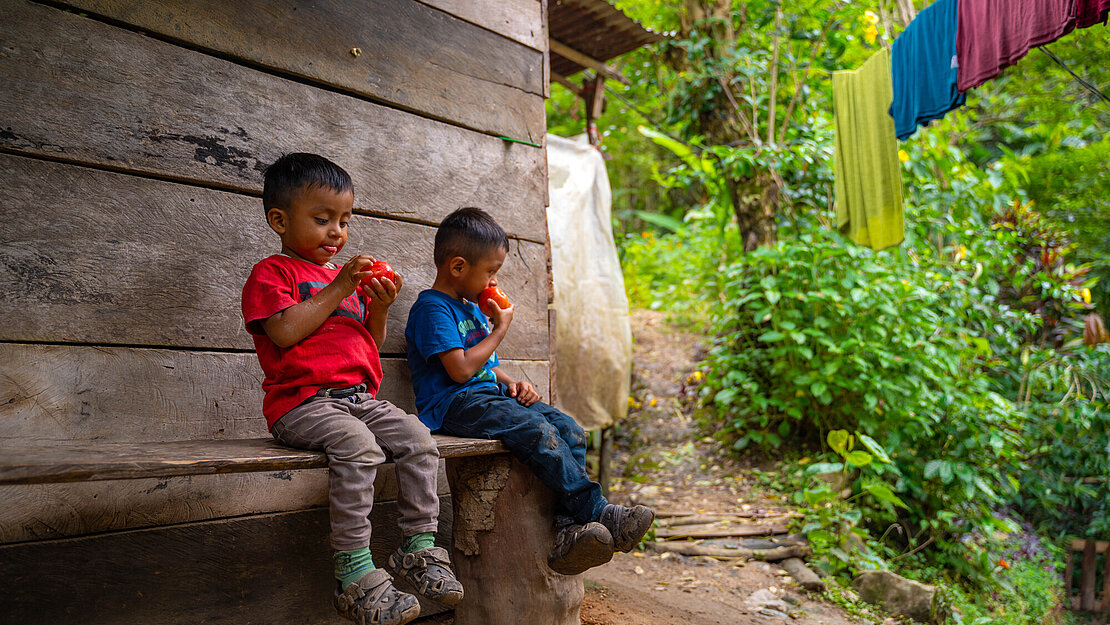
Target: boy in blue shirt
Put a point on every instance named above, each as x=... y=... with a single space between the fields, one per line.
x=461 y=390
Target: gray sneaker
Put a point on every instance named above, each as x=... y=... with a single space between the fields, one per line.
x=373 y=600
x=580 y=547
x=626 y=525
x=429 y=573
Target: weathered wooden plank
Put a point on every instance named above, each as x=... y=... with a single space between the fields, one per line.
x=50 y=511
x=1105 y=608
x=89 y=92
x=1101 y=546
x=1087 y=578
x=62 y=393
x=259 y=569
x=126 y=260
x=519 y=20
x=756 y=528
x=104 y=460
x=410 y=55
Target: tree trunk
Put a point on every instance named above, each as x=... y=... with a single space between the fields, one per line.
x=755 y=199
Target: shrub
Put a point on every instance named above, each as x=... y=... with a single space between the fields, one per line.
x=817 y=334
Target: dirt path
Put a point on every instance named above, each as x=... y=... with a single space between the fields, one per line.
x=662 y=460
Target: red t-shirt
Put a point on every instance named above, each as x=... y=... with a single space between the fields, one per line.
x=338 y=354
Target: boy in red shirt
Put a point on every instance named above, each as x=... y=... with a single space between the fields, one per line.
x=316 y=333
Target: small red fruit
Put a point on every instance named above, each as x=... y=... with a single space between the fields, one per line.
x=495 y=295
x=382 y=271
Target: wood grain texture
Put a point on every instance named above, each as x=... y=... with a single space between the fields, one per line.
x=519 y=20
x=126 y=260
x=58 y=393
x=259 y=569
x=49 y=511
x=88 y=92
x=100 y=460
x=1087 y=577
x=412 y=56
x=506 y=576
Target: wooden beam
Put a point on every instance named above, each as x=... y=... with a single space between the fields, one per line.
x=1101 y=546
x=568 y=83
x=595 y=103
x=1087 y=578
x=575 y=56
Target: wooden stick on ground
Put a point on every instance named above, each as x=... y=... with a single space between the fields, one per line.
x=739 y=517
x=761 y=528
x=768 y=555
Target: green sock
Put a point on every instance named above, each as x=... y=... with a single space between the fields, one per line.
x=351 y=565
x=420 y=541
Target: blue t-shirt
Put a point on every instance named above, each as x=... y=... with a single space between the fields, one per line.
x=438 y=323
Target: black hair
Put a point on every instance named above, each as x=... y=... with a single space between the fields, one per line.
x=468 y=232
x=297 y=171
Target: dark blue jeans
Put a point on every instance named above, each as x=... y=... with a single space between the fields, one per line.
x=543 y=438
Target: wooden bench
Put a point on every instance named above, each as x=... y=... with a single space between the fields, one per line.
x=218 y=571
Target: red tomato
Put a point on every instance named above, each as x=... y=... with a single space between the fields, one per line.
x=381 y=270
x=495 y=295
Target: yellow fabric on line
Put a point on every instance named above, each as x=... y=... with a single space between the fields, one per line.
x=868 y=173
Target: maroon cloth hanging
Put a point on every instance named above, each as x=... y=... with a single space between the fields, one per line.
x=1091 y=12
x=994 y=34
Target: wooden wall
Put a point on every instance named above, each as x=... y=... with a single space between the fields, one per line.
x=133 y=134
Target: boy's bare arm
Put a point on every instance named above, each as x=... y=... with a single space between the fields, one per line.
x=382 y=295
x=461 y=364
x=289 y=326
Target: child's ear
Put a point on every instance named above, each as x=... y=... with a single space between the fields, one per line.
x=457 y=265
x=276 y=217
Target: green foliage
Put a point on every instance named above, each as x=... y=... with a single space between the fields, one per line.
x=671 y=272
x=958 y=354
x=1073 y=188
x=831 y=520
x=1024 y=585
x=1066 y=491
x=816 y=334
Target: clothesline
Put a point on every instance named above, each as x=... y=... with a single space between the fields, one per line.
x=951 y=47
x=1088 y=86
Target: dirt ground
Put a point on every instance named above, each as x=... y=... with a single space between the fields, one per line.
x=661 y=459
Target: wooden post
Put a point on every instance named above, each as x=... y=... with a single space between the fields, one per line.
x=1087 y=578
x=595 y=100
x=503 y=533
x=1069 y=569
x=1106 y=585
x=605 y=456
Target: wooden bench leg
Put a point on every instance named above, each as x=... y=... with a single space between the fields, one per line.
x=501 y=538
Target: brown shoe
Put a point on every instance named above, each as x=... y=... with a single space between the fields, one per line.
x=580 y=547
x=626 y=525
x=429 y=573
x=373 y=600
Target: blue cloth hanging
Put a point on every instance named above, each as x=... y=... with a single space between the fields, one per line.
x=924 y=69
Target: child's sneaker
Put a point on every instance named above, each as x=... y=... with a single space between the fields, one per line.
x=373 y=600
x=429 y=573
x=626 y=525
x=580 y=547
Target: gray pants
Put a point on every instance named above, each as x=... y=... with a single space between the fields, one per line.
x=353 y=432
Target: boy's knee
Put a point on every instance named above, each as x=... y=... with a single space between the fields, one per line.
x=358 y=446
x=418 y=441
